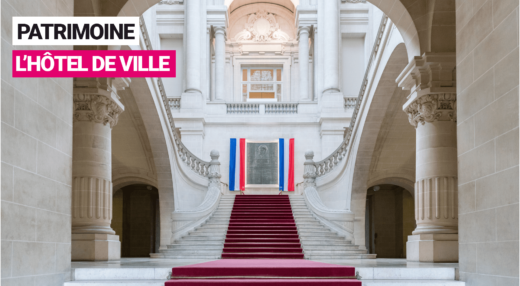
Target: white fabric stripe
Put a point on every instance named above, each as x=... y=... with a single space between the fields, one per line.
x=237 y=166
x=286 y=163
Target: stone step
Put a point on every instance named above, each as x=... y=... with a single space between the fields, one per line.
x=197 y=242
x=318 y=242
x=334 y=252
x=197 y=246
x=340 y=247
x=214 y=252
x=332 y=257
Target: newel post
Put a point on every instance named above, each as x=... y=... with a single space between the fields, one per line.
x=309 y=170
x=214 y=170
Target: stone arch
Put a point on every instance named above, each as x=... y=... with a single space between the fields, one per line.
x=131 y=180
x=385 y=90
x=404 y=183
x=149 y=110
x=394 y=9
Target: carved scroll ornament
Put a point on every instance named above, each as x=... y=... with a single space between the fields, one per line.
x=432 y=107
x=262 y=27
x=96 y=108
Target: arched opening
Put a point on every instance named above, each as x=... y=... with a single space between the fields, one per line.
x=389 y=219
x=136 y=220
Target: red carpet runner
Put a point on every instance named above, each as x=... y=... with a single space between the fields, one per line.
x=263 y=272
x=262 y=226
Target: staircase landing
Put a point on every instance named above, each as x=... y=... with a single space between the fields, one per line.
x=154 y=272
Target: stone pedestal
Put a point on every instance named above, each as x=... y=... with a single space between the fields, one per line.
x=95 y=247
x=433 y=248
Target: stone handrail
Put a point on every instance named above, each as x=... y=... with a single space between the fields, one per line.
x=326 y=165
x=183 y=221
x=340 y=221
x=196 y=164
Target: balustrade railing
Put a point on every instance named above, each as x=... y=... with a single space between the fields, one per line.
x=243 y=108
x=198 y=165
x=350 y=102
x=281 y=108
x=278 y=108
x=326 y=165
x=175 y=103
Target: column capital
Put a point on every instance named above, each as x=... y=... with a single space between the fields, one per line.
x=431 y=108
x=96 y=100
x=96 y=108
x=304 y=29
x=219 y=30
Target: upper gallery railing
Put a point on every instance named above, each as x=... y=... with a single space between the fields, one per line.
x=278 y=108
x=326 y=165
x=196 y=164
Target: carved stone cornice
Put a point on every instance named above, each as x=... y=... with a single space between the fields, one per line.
x=431 y=108
x=171 y=2
x=96 y=108
x=428 y=74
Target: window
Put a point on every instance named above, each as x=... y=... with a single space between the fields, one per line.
x=262 y=84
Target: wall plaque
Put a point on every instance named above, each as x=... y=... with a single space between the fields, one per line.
x=262 y=163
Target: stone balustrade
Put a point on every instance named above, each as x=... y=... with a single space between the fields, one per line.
x=278 y=108
x=350 y=102
x=175 y=103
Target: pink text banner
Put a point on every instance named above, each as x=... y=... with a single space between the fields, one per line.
x=81 y=63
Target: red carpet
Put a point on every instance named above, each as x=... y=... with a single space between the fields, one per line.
x=262 y=227
x=262 y=248
x=260 y=272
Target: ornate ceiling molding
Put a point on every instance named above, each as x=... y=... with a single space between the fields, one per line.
x=171 y=2
x=262 y=27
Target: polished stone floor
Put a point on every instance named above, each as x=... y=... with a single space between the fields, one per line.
x=168 y=263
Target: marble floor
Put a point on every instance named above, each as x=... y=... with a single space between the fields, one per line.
x=168 y=263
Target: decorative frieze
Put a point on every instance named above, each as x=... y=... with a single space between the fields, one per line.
x=96 y=108
x=171 y=2
x=432 y=107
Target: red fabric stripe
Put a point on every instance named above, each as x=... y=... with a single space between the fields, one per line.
x=242 y=164
x=290 y=183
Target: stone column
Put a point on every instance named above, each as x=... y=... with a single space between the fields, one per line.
x=303 y=51
x=220 y=62
x=431 y=109
x=96 y=111
x=331 y=34
x=193 y=46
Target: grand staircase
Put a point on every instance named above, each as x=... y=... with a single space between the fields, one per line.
x=206 y=241
x=318 y=241
x=262 y=227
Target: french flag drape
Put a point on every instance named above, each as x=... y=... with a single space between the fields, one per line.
x=237 y=163
x=286 y=164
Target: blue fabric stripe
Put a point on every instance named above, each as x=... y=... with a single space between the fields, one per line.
x=232 y=160
x=281 y=164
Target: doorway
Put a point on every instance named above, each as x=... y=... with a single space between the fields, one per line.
x=136 y=220
x=389 y=221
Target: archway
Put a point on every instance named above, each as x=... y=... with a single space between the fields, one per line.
x=389 y=219
x=136 y=220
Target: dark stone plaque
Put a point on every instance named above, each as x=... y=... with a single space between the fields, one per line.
x=262 y=163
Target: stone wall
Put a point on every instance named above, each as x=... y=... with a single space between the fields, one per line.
x=487 y=87
x=36 y=162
